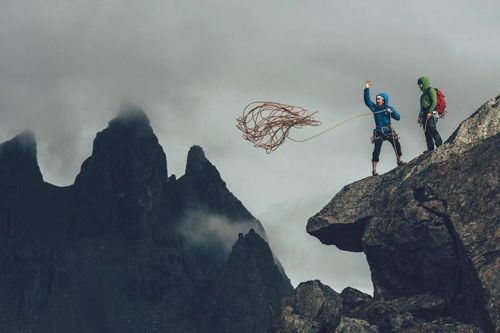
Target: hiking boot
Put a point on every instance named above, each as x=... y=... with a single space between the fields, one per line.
x=401 y=162
x=374 y=173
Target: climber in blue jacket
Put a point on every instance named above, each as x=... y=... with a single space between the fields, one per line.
x=382 y=113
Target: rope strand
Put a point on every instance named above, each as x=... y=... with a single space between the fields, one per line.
x=267 y=124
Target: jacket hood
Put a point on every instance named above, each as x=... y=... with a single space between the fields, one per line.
x=386 y=100
x=425 y=81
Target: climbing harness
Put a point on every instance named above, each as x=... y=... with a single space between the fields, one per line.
x=392 y=134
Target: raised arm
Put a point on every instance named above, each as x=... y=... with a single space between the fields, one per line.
x=368 y=101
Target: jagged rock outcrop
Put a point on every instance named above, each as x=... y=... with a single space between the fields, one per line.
x=108 y=253
x=18 y=163
x=208 y=210
x=249 y=282
x=20 y=177
x=430 y=229
x=316 y=308
x=313 y=307
x=125 y=176
x=203 y=189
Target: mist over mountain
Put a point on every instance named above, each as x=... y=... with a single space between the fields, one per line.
x=127 y=248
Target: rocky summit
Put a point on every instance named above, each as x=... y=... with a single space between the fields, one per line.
x=128 y=248
x=430 y=232
x=316 y=308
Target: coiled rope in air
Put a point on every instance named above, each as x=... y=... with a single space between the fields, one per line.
x=267 y=124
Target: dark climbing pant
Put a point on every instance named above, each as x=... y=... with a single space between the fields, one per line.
x=431 y=134
x=378 y=145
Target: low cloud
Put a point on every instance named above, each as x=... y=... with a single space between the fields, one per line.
x=209 y=230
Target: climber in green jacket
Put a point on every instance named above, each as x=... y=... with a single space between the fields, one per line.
x=426 y=117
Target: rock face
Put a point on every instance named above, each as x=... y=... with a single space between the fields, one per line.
x=317 y=308
x=125 y=177
x=203 y=189
x=351 y=325
x=313 y=308
x=430 y=229
x=115 y=252
x=249 y=282
x=18 y=164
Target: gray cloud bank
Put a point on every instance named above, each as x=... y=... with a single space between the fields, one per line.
x=202 y=229
x=66 y=65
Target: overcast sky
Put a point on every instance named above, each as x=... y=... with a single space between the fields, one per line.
x=65 y=66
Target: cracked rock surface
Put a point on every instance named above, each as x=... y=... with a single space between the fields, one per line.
x=430 y=229
x=316 y=308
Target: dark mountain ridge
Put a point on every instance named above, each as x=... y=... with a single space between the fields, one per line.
x=106 y=254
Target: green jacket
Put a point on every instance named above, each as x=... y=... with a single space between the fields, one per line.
x=428 y=100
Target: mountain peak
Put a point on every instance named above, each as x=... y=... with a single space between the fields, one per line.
x=18 y=160
x=481 y=125
x=24 y=143
x=119 y=228
x=202 y=188
x=130 y=116
x=249 y=240
x=127 y=170
x=130 y=141
x=197 y=162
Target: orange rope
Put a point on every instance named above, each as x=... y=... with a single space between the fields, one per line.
x=267 y=124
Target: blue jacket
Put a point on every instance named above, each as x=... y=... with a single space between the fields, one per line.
x=382 y=119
